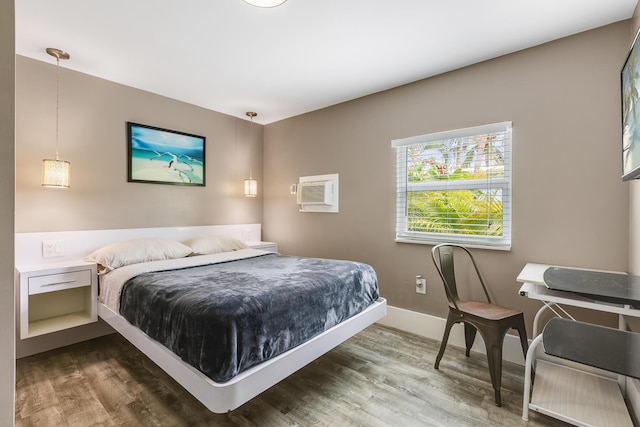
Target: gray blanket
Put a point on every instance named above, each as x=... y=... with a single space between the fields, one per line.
x=225 y=318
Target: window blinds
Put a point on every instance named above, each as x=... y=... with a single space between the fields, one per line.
x=455 y=186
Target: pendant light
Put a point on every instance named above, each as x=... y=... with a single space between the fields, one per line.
x=251 y=185
x=56 y=173
x=265 y=3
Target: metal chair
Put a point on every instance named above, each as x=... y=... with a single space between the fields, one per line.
x=493 y=321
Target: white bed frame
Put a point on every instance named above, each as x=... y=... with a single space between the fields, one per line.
x=217 y=397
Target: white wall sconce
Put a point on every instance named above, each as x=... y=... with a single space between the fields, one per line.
x=293 y=189
x=56 y=173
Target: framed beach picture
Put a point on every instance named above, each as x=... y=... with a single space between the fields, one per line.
x=630 y=82
x=163 y=156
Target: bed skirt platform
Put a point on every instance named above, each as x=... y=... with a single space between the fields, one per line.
x=224 y=397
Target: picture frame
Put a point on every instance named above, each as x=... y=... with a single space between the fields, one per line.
x=164 y=156
x=630 y=87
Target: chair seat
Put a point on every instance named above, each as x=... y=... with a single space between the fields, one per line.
x=486 y=310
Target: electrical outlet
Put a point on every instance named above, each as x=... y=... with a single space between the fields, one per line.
x=52 y=248
x=421 y=285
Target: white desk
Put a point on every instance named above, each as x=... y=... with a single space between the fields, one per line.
x=532 y=277
x=574 y=396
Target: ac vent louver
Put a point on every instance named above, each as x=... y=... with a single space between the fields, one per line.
x=316 y=193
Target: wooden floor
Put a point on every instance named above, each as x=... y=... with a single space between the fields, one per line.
x=381 y=377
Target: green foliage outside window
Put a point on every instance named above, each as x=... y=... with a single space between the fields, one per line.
x=456 y=211
x=475 y=210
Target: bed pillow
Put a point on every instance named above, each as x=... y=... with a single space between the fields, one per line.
x=135 y=251
x=214 y=244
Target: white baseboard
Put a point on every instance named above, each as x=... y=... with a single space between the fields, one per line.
x=433 y=327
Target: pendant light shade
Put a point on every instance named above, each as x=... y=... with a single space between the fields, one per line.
x=250 y=187
x=56 y=173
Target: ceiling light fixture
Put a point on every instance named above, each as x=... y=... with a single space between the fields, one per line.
x=250 y=185
x=56 y=173
x=265 y=3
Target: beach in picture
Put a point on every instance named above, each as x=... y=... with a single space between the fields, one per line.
x=163 y=156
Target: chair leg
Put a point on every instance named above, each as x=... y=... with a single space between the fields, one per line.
x=495 y=370
x=469 y=337
x=494 y=339
x=445 y=338
x=523 y=336
x=494 y=352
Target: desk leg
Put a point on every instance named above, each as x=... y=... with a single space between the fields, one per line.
x=548 y=306
x=526 y=394
x=622 y=380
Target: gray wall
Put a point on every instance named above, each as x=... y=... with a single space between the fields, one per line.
x=92 y=136
x=570 y=206
x=7 y=148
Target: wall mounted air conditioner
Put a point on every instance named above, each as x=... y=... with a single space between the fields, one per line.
x=317 y=193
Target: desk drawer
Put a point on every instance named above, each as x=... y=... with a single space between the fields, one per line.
x=57 y=282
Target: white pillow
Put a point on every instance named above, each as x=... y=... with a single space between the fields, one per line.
x=137 y=250
x=214 y=244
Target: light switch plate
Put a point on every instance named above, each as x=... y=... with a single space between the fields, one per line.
x=52 y=248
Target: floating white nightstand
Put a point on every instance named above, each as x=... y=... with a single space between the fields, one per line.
x=56 y=297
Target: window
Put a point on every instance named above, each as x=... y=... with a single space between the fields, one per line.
x=455 y=187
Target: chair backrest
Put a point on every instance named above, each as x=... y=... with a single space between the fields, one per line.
x=442 y=256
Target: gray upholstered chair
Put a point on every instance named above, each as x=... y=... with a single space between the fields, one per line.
x=493 y=321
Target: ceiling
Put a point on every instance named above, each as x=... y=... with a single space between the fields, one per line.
x=231 y=57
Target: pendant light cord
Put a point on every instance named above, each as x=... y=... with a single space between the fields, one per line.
x=251 y=115
x=57 y=101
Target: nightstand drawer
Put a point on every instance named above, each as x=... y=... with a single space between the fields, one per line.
x=56 y=282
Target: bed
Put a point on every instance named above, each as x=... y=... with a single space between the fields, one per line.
x=263 y=281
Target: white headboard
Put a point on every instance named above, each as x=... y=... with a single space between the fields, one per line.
x=78 y=244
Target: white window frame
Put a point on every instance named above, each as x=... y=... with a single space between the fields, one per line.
x=491 y=183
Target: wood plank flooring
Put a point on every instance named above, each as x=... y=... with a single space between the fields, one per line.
x=380 y=377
